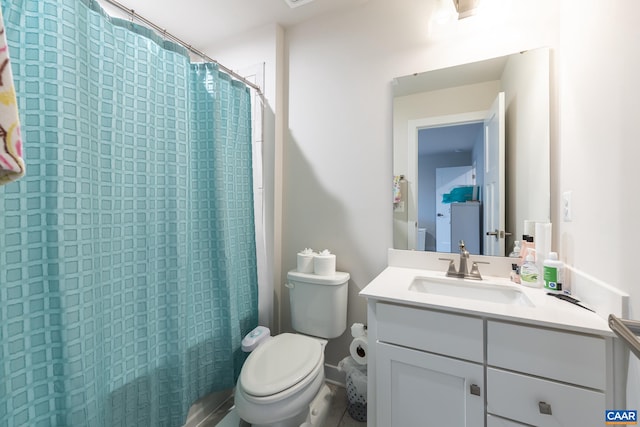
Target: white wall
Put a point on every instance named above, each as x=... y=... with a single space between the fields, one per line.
x=597 y=105
x=338 y=166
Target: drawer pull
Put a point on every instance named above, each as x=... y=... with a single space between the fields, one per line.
x=475 y=389
x=545 y=408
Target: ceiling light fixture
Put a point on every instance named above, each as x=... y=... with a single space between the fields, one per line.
x=466 y=8
x=296 y=3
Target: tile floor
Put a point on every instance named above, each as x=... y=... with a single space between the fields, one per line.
x=338 y=415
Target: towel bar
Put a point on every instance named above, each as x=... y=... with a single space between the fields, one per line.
x=628 y=330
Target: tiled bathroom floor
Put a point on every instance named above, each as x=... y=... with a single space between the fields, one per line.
x=338 y=415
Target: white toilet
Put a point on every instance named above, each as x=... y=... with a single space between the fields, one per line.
x=282 y=382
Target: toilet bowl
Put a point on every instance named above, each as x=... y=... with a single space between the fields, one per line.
x=279 y=381
x=282 y=382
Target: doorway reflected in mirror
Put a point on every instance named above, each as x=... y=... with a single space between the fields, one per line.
x=464 y=94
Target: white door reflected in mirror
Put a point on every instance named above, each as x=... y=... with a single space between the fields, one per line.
x=494 y=191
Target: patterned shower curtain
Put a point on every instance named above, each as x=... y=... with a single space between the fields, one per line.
x=127 y=252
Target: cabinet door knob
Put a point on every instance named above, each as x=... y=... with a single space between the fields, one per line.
x=475 y=389
x=545 y=408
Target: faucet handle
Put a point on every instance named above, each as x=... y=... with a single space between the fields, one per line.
x=475 y=271
x=452 y=267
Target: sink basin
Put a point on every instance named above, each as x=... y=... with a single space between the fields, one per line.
x=479 y=291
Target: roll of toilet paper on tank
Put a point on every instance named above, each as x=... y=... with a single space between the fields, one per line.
x=324 y=263
x=305 y=261
x=358 y=330
x=358 y=350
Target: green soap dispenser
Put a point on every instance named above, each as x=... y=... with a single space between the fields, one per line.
x=529 y=272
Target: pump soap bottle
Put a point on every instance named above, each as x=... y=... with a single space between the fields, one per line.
x=529 y=271
x=525 y=245
x=515 y=253
x=515 y=266
x=552 y=272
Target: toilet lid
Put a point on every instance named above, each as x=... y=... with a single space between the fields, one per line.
x=279 y=364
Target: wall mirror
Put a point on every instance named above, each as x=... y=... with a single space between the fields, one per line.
x=471 y=154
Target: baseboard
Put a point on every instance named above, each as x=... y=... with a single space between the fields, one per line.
x=333 y=375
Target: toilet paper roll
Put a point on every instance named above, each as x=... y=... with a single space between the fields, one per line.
x=324 y=263
x=305 y=261
x=358 y=350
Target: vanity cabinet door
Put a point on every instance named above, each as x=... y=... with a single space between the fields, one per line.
x=415 y=388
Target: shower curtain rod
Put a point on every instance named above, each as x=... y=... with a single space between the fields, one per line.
x=168 y=35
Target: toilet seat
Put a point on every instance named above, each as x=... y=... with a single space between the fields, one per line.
x=285 y=363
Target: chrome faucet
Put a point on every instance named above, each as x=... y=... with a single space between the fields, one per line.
x=462 y=271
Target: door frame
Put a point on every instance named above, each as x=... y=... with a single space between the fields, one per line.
x=494 y=219
x=414 y=126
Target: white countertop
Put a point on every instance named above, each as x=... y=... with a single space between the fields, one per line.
x=392 y=285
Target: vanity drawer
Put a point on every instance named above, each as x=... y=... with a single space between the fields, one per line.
x=563 y=356
x=434 y=331
x=524 y=399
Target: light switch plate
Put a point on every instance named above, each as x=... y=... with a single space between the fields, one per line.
x=567 y=209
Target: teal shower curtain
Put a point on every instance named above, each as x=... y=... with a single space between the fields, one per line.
x=127 y=252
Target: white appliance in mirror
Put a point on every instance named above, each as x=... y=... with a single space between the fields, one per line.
x=509 y=156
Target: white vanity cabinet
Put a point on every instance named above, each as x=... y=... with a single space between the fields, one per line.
x=434 y=368
x=429 y=369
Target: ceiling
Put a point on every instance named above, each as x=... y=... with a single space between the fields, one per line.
x=201 y=23
x=460 y=75
x=448 y=139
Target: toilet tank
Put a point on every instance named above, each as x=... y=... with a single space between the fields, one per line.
x=318 y=303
